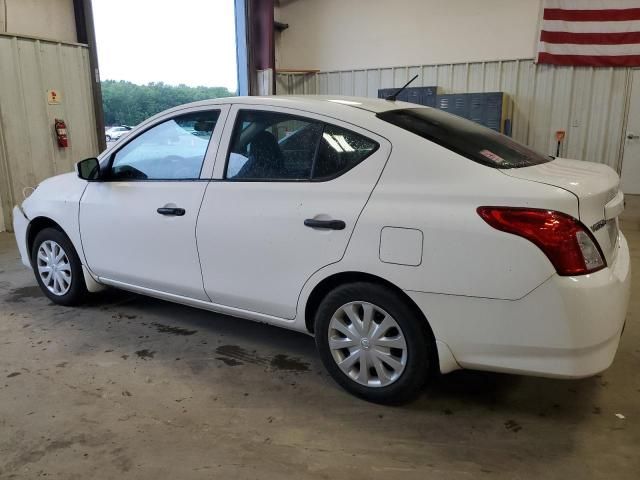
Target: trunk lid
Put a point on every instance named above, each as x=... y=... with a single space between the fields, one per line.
x=596 y=187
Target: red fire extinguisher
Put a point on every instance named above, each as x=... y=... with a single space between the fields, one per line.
x=61 y=133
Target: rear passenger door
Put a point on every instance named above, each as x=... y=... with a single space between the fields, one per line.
x=290 y=187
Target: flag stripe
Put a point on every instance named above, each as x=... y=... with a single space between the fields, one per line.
x=597 y=33
x=571 y=49
x=591 y=27
x=606 y=15
x=590 y=60
x=590 y=4
x=590 y=38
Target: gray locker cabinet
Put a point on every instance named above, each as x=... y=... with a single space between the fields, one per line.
x=421 y=95
x=456 y=103
x=385 y=92
x=487 y=109
x=494 y=109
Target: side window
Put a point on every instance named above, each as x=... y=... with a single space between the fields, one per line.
x=172 y=150
x=272 y=146
x=339 y=151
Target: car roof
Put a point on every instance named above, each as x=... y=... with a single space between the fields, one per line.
x=310 y=102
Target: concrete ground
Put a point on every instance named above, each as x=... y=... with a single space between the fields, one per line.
x=132 y=387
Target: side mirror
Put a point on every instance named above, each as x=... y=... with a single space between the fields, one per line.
x=89 y=169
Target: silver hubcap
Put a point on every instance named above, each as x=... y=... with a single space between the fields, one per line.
x=367 y=344
x=54 y=267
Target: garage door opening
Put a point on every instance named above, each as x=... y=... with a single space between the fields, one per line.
x=155 y=55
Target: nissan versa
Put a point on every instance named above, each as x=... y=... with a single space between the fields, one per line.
x=408 y=241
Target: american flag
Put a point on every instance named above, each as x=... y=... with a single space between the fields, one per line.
x=597 y=33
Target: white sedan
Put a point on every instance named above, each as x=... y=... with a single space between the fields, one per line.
x=115 y=133
x=408 y=241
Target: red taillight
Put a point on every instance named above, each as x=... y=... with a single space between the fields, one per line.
x=564 y=240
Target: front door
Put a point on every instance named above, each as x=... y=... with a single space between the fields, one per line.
x=630 y=175
x=290 y=189
x=138 y=226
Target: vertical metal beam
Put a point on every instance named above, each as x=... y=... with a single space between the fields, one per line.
x=6 y=185
x=242 y=42
x=3 y=16
x=254 y=44
x=86 y=33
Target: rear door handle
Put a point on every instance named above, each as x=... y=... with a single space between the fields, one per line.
x=328 y=224
x=178 y=212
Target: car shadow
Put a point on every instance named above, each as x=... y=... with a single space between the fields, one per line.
x=136 y=327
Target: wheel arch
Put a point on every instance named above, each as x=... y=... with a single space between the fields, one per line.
x=341 y=278
x=37 y=225
x=41 y=222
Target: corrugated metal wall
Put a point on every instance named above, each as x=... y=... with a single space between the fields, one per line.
x=588 y=103
x=28 y=148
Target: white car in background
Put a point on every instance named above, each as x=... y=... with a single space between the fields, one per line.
x=408 y=241
x=115 y=133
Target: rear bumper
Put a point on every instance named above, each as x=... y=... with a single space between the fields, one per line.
x=20 y=224
x=568 y=327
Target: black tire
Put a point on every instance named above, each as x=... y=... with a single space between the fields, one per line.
x=108 y=138
x=419 y=343
x=77 y=290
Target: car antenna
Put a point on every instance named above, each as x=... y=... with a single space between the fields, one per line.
x=394 y=96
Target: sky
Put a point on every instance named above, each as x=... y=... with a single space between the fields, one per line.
x=170 y=41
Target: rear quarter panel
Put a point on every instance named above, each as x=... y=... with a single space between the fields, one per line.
x=428 y=188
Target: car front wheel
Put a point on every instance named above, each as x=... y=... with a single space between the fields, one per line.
x=372 y=343
x=57 y=268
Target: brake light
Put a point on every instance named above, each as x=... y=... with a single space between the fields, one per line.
x=566 y=242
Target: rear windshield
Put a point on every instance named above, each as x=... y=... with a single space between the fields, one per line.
x=467 y=138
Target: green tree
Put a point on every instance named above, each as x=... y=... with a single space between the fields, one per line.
x=126 y=103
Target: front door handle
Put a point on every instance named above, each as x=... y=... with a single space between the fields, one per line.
x=328 y=224
x=175 y=211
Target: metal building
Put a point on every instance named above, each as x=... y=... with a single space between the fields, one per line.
x=588 y=103
x=48 y=72
x=357 y=47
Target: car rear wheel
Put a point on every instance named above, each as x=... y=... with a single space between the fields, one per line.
x=372 y=343
x=57 y=268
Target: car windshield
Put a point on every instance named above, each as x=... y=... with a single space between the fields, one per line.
x=467 y=138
